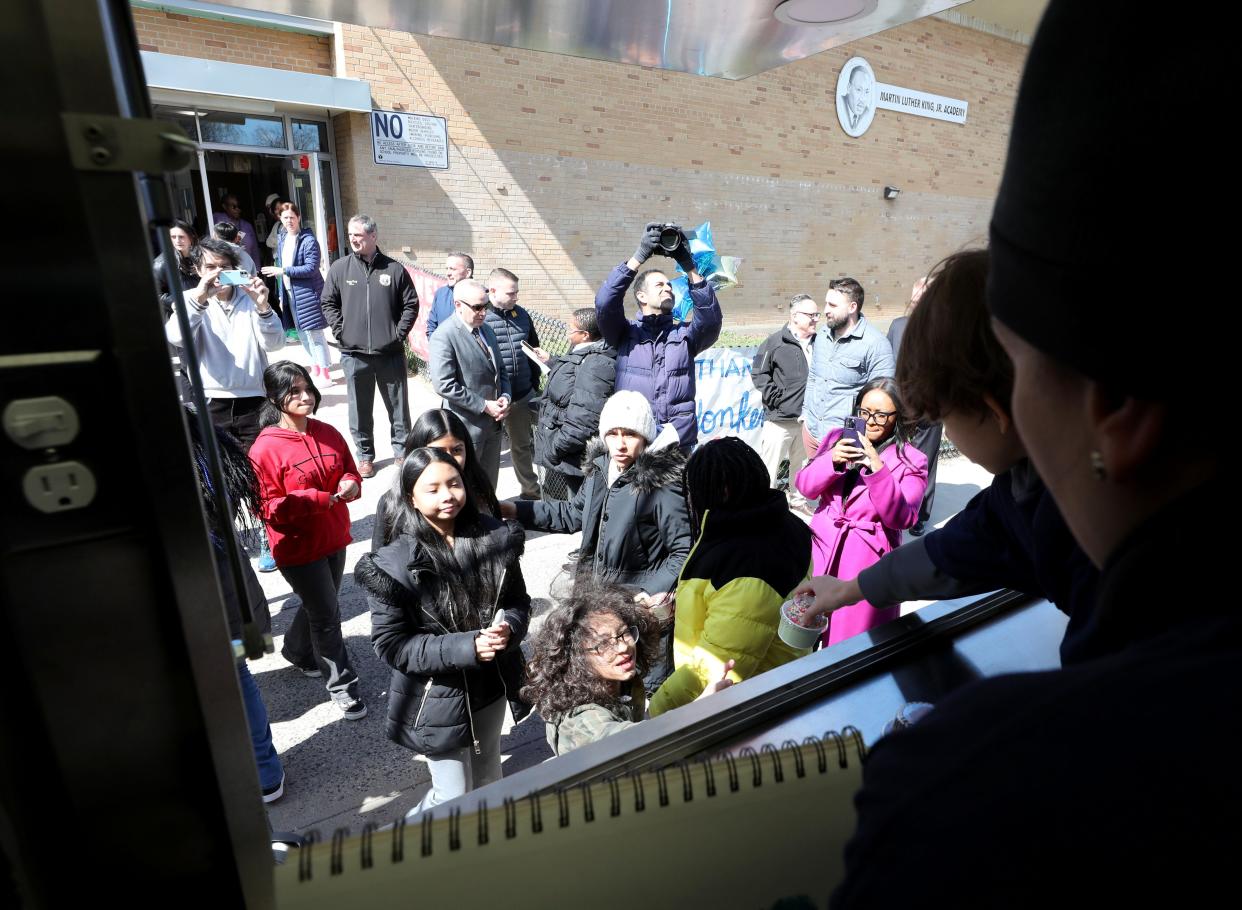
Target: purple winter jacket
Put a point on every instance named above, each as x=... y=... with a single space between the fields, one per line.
x=655 y=355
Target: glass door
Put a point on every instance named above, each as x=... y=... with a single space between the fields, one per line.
x=313 y=189
x=302 y=194
x=332 y=223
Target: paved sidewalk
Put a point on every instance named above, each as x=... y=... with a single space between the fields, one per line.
x=343 y=773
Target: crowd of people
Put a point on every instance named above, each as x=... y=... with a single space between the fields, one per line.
x=688 y=550
x=614 y=420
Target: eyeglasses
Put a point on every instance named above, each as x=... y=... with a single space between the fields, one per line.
x=478 y=308
x=811 y=316
x=876 y=416
x=616 y=642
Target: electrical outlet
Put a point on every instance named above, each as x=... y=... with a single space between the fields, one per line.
x=59 y=487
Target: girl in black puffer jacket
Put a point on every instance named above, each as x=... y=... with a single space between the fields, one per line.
x=435 y=593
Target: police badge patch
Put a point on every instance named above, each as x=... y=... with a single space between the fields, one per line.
x=385 y=280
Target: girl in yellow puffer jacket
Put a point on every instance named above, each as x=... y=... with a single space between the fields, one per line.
x=750 y=554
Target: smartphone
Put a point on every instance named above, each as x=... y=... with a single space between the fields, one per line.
x=234 y=276
x=855 y=427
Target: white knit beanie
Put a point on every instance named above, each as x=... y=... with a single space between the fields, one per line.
x=629 y=411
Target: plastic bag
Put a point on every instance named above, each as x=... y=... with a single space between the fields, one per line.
x=703 y=249
x=721 y=271
x=726 y=275
x=681 y=296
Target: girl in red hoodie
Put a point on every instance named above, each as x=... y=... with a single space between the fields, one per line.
x=306 y=477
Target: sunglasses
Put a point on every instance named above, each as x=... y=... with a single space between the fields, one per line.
x=478 y=308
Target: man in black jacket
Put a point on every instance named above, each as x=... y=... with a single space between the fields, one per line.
x=779 y=372
x=371 y=304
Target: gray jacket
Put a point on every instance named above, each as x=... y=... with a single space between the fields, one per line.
x=839 y=368
x=466 y=378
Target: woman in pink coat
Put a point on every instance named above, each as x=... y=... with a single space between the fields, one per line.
x=868 y=494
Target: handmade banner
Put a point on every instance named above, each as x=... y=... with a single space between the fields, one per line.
x=726 y=400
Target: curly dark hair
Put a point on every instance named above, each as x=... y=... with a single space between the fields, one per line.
x=559 y=678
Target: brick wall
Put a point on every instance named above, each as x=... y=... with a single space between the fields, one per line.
x=557 y=162
x=228 y=42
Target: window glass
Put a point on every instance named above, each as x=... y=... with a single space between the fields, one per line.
x=243 y=129
x=183 y=117
x=310 y=136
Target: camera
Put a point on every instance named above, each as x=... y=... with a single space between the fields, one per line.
x=670 y=238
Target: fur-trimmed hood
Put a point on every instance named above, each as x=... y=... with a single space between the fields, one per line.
x=653 y=470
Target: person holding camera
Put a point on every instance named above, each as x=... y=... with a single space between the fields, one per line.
x=869 y=481
x=232 y=328
x=655 y=354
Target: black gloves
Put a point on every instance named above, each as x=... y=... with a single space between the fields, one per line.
x=682 y=254
x=651 y=240
x=651 y=243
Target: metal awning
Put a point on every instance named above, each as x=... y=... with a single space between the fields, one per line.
x=732 y=39
x=186 y=79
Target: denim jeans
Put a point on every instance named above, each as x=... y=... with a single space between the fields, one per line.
x=363 y=372
x=270 y=771
x=459 y=771
x=316 y=347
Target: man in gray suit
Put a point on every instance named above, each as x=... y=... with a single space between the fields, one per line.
x=469 y=373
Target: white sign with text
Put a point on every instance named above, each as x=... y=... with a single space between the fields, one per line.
x=921 y=104
x=409 y=140
x=859 y=96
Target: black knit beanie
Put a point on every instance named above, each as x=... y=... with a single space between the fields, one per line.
x=1106 y=232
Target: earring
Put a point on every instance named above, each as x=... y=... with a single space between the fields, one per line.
x=1097 y=466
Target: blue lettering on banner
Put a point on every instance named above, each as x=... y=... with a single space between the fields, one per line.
x=705 y=367
x=733 y=419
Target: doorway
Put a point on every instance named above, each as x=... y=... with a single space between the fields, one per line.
x=251 y=156
x=248 y=176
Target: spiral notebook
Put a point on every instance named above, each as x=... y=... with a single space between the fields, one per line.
x=752 y=829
